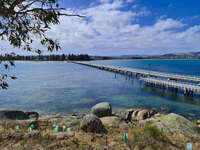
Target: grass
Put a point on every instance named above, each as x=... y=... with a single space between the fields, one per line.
x=44 y=138
x=148 y=136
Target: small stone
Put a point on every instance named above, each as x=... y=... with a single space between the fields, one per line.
x=158 y=115
x=198 y=122
x=75 y=114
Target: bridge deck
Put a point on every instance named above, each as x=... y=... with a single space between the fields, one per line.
x=143 y=72
x=172 y=84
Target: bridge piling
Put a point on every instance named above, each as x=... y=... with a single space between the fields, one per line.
x=165 y=81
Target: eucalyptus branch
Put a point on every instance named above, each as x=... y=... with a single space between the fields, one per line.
x=23 y=20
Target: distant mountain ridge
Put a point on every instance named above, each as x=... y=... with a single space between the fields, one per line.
x=183 y=55
x=179 y=55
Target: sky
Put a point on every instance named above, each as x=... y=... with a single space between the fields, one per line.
x=123 y=27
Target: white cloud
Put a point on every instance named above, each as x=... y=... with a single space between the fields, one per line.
x=107 y=30
x=130 y=1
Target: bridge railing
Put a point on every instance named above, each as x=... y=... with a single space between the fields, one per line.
x=172 y=84
x=162 y=74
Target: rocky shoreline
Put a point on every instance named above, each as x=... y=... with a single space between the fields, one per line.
x=101 y=129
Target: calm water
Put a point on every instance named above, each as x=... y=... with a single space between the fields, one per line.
x=53 y=87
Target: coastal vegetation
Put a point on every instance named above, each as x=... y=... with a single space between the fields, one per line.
x=101 y=129
x=52 y=57
x=149 y=135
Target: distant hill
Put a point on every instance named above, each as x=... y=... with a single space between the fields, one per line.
x=181 y=55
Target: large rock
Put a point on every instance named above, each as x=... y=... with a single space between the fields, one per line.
x=142 y=114
x=91 y=123
x=124 y=114
x=111 y=121
x=173 y=123
x=102 y=109
x=12 y=114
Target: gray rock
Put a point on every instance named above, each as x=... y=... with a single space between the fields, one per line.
x=74 y=124
x=91 y=123
x=173 y=123
x=12 y=114
x=142 y=114
x=111 y=121
x=32 y=115
x=124 y=115
x=102 y=109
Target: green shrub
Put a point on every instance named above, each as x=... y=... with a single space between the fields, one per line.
x=149 y=135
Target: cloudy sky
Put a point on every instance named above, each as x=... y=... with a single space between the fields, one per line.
x=120 y=27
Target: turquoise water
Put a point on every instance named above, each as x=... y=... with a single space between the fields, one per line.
x=187 y=67
x=53 y=87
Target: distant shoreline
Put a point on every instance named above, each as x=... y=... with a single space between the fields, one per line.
x=68 y=61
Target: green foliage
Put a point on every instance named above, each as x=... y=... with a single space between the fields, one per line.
x=47 y=58
x=23 y=21
x=79 y=57
x=6 y=65
x=149 y=135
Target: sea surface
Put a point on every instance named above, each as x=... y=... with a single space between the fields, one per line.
x=61 y=87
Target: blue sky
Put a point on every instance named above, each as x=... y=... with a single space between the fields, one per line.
x=121 y=27
x=177 y=9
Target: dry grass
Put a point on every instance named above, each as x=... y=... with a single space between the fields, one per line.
x=43 y=138
x=148 y=136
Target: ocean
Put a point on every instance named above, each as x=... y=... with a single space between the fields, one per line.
x=61 y=87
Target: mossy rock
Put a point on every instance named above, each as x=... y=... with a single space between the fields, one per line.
x=173 y=123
